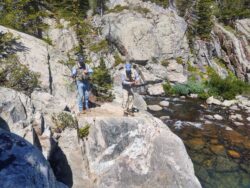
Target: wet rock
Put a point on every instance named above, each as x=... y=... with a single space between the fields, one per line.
x=164 y=118
x=209 y=117
x=223 y=164
x=194 y=96
x=238 y=123
x=23 y=165
x=234 y=107
x=217 y=149
x=228 y=103
x=229 y=129
x=155 y=108
x=214 y=141
x=212 y=100
x=196 y=143
x=236 y=117
x=233 y=154
x=234 y=138
x=155 y=90
x=164 y=103
x=218 y=117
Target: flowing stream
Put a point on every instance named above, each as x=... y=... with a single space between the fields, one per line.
x=219 y=149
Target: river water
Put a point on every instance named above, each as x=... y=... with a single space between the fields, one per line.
x=219 y=149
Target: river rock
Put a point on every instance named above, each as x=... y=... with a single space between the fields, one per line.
x=155 y=108
x=228 y=103
x=131 y=152
x=164 y=103
x=217 y=149
x=155 y=90
x=218 y=117
x=23 y=165
x=212 y=100
x=196 y=143
x=233 y=154
x=238 y=123
x=236 y=117
x=194 y=96
x=234 y=107
x=248 y=119
x=164 y=118
x=209 y=117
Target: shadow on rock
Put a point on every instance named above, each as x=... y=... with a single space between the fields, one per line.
x=4 y=125
x=60 y=166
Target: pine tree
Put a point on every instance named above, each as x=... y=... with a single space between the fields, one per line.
x=25 y=15
x=204 y=18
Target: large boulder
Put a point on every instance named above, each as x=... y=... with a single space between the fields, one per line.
x=175 y=72
x=158 y=34
x=131 y=152
x=22 y=165
x=16 y=111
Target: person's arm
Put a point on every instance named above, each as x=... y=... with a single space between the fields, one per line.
x=124 y=82
x=73 y=72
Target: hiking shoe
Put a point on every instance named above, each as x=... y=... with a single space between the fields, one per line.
x=82 y=112
x=131 y=114
x=125 y=113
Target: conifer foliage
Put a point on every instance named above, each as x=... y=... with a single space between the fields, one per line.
x=204 y=15
x=24 y=15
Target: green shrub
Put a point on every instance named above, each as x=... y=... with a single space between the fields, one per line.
x=102 y=45
x=165 y=63
x=118 y=59
x=163 y=3
x=118 y=9
x=226 y=88
x=181 y=89
x=195 y=87
x=179 y=60
x=84 y=131
x=63 y=120
x=17 y=76
x=141 y=10
x=168 y=89
x=102 y=83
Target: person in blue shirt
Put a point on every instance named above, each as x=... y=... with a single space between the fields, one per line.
x=130 y=78
x=81 y=73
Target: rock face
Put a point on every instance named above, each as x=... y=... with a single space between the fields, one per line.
x=132 y=152
x=18 y=115
x=22 y=165
x=45 y=60
x=159 y=33
x=235 y=53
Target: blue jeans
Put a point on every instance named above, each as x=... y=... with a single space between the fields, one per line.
x=83 y=92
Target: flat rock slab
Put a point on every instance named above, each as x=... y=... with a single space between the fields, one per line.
x=164 y=103
x=155 y=108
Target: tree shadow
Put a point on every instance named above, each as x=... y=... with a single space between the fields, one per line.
x=4 y=125
x=61 y=168
x=12 y=46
